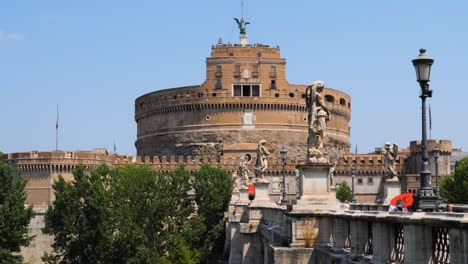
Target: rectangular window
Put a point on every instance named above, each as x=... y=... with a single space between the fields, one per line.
x=370 y=180
x=255 y=68
x=218 y=83
x=237 y=68
x=218 y=69
x=255 y=90
x=246 y=90
x=273 y=69
x=237 y=90
x=359 y=181
x=273 y=84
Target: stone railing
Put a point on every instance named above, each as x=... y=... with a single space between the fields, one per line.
x=396 y=237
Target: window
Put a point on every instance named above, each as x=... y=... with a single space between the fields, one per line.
x=329 y=98
x=255 y=68
x=231 y=54
x=237 y=90
x=359 y=181
x=218 y=83
x=237 y=68
x=342 y=102
x=370 y=180
x=218 y=69
x=291 y=95
x=255 y=90
x=246 y=90
x=273 y=69
x=273 y=84
x=259 y=55
x=276 y=94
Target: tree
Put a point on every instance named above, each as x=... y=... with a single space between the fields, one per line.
x=14 y=216
x=344 y=192
x=454 y=188
x=213 y=189
x=80 y=218
x=127 y=215
x=132 y=214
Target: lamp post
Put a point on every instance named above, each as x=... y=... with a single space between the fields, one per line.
x=353 y=175
x=284 y=155
x=426 y=199
x=436 y=154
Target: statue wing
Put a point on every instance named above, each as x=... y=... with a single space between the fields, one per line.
x=395 y=150
x=246 y=23
x=237 y=20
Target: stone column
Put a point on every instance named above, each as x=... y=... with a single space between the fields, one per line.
x=359 y=237
x=325 y=231
x=383 y=240
x=458 y=245
x=340 y=233
x=235 y=254
x=418 y=244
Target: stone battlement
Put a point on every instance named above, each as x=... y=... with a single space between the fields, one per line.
x=445 y=146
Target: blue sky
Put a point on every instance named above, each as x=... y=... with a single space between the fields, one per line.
x=94 y=58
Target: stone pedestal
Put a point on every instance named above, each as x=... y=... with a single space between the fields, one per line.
x=243 y=40
x=243 y=194
x=262 y=197
x=234 y=198
x=391 y=189
x=314 y=188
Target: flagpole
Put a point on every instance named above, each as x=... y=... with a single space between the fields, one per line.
x=56 y=130
x=430 y=123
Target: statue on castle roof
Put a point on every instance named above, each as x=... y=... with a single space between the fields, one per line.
x=262 y=161
x=242 y=24
x=318 y=117
x=390 y=153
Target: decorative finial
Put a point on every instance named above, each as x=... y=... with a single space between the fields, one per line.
x=220 y=41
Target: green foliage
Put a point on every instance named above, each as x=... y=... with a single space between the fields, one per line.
x=454 y=188
x=134 y=215
x=80 y=218
x=344 y=192
x=14 y=216
x=213 y=189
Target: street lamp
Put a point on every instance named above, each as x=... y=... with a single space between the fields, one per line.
x=284 y=155
x=426 y=199
x=436 y=154
x=353 y=175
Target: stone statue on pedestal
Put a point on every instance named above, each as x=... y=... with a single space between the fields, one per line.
x=244 y=173
x=390 y=153
x=262 y=161
x=331 y=174
x=318 y=117
x=235 y=180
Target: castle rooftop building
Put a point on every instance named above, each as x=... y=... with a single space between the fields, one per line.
x=244 y=98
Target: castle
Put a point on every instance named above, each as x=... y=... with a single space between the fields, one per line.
x=245 y=98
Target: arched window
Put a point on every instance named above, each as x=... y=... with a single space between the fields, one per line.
x=342 y=102
x=329 y=98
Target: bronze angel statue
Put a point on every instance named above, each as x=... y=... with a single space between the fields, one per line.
x=242 y=24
